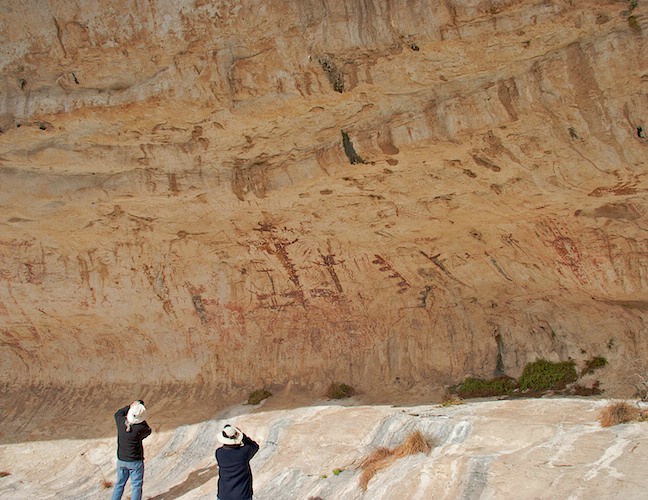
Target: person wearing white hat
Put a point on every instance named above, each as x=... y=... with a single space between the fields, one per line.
x=132 y=429
x=233 y=458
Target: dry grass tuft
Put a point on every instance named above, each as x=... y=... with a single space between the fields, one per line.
x=377 y=455
x=379 y=459
x=618 y=413
x=414 y=443
x=382 y=457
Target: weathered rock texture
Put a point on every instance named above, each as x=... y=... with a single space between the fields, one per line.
x=210 y=197
x=529 y=449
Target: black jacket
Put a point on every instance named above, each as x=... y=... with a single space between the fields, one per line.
x=129 y=444
x=234 y=473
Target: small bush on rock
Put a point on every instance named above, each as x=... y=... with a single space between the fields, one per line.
x=257 y=396
x=339 y=390
x=593 y=364
x=618 y=413
x=538 y=378
x=478 y=388
x=450 y=398
x=543 y=375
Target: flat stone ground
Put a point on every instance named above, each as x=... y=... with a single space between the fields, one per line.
x=533 y=448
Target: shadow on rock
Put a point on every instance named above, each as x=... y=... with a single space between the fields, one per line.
x=195 y=479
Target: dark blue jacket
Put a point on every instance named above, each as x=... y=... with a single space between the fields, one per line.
x=129 y=444
x=234 y=473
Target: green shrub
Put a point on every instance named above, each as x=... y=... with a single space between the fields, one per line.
x=543 y=375
x=478 y=388
x=257 y=396
x=338 y=390
x=593 y=364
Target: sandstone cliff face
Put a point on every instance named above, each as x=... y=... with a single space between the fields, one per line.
x=213 y=197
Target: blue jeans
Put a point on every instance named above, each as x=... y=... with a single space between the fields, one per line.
x=134 y=470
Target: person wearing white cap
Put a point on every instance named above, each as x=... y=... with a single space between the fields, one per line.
x=132 y=429
x=233 y=458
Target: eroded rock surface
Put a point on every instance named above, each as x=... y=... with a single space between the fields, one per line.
x=207 y=198
x=526 y=449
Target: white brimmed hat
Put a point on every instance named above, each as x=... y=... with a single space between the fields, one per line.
x=230 y=435
x=136 y=413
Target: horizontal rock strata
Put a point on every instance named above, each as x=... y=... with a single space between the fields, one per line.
x=208 y=198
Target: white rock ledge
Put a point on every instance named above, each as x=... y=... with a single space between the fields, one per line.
x=535 y=448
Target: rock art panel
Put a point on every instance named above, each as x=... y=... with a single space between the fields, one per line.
x=210 y=198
